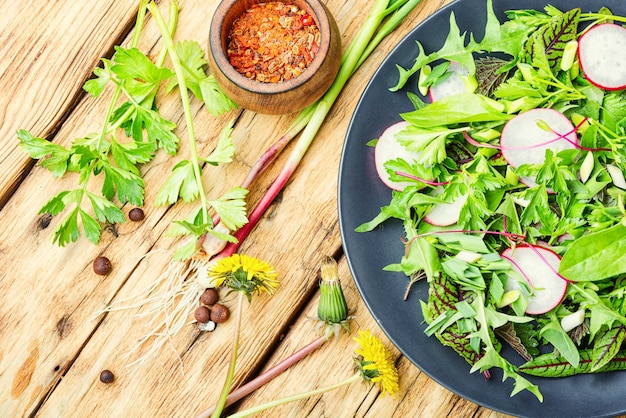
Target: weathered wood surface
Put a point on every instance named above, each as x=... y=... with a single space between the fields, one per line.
x=53 y=346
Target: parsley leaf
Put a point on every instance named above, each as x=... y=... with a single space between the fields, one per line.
x=231 y=208
x=181 y=183
x=53 y=157
x=203 y=87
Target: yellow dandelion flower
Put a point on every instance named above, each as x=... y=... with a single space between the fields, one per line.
x=376 y=363
x=245 y=274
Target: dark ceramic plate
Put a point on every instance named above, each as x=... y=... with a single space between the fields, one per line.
x=362 y=194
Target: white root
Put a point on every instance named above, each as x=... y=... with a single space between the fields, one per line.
x=168 y=303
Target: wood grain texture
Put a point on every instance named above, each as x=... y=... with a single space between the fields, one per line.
x=48 y=50
x=53 y=346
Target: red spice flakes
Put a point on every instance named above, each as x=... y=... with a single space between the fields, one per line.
x=273 y=42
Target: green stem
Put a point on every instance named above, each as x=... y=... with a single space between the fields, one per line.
x=184 y=96
x=268 y=375
x=141 y=15
x=228 y=383
x=293 y=398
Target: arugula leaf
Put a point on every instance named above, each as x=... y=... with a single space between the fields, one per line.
x=554 y=334
x=508 y=38
x=420 y=255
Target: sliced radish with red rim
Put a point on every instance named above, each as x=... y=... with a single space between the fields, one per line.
x=526 y=137
x=538 y=266
x=445 y=214
x=602 y=56
x=388 y=149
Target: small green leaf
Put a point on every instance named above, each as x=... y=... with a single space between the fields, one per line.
x=105 y=210
x=231 y=208
x=596 y=256
x=90 y=226
x=67 y=231
x=52 y=156
x=181 y=183
x=129 y=186
x=225 y=149
x=96 y=85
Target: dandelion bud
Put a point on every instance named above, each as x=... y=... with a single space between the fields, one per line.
x=332 y=309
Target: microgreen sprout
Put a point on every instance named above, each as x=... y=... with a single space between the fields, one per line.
x=421 y=180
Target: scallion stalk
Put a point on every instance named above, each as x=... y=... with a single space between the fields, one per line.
x=311 y=118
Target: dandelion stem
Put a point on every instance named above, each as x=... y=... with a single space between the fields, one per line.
x=221 y=403
x=268 y=375
x=296 y=397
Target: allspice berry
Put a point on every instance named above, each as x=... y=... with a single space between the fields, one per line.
x=202 y=314
x=107 y=376
x=136 y=214
x=209 y=297
x=102 y=266
x=219 y=313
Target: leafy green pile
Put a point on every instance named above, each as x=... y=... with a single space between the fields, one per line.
x=575 y=209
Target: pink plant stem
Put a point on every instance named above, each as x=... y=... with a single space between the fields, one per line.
x=275 y=149
x=258 y=211
x=268 y=375
x=302 y=145
x=270 y=155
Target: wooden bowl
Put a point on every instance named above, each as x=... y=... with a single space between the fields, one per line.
x=285 y=96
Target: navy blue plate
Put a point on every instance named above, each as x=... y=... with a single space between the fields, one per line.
x=361 y=195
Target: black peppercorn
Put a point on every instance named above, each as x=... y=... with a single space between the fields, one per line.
x=102 y=266
x=136 y=214
x=106 y=376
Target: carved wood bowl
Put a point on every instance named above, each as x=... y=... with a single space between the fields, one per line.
x=285 y=96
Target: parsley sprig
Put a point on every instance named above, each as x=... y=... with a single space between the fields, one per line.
x=131 y=135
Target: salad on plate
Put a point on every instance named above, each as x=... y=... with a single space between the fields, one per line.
x=508 y=178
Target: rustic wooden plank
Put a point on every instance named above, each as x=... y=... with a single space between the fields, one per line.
x=48 y=50
x=62 y=282
x=57 y=348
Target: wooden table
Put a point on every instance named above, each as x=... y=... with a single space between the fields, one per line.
x=54 y=346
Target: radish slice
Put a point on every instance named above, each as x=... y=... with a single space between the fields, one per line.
x=388 y=149
x=524 y=140
x=602 y=56
x=457 y=82
x=445 y=214
x=547 y=287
